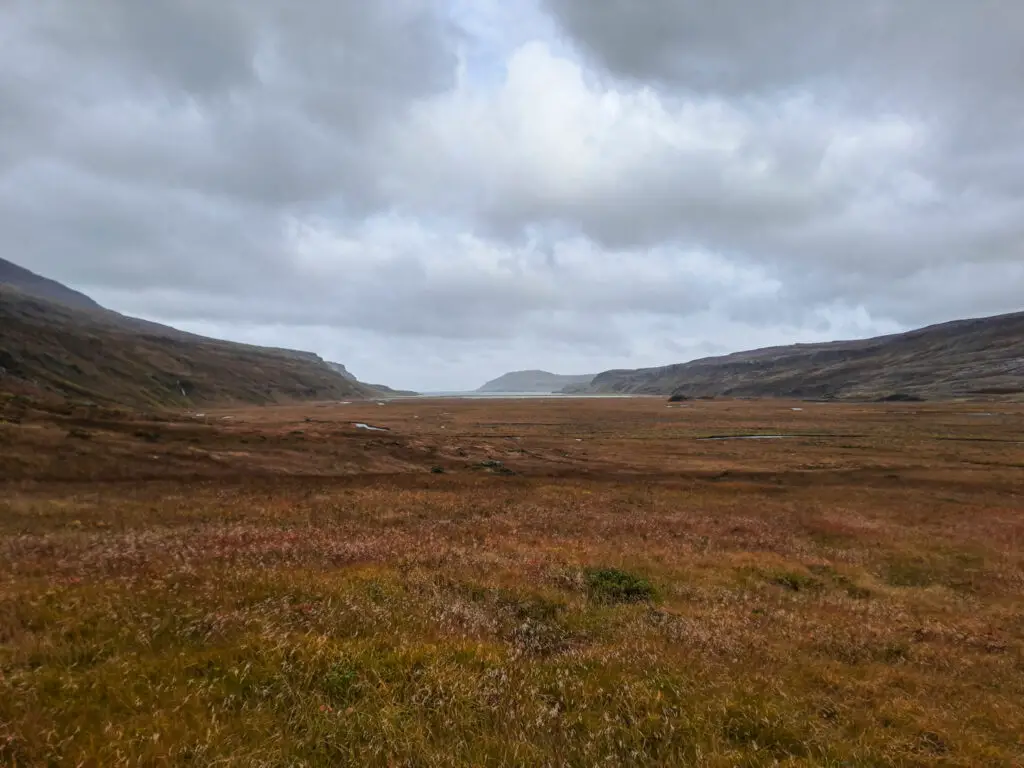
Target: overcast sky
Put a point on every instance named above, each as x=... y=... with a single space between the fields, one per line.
x=434 y=193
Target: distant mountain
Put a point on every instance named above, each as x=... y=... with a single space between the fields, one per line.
x=56 y=341
x=534 y=381
x=32 y=284
x=961 y=358
x=383 y=390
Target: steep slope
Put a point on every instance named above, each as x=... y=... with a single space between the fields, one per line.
x=97 y=355
x=342 y=371
x=381 y=389
x=36 y=285
x=964 y=357
x=533 y=381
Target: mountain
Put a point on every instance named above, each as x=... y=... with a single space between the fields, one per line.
x=35 y=285
x=960 y=358
x=534 y=381
x=56 y=341
x=342 y=370
x=383 y=390
x=386 y=391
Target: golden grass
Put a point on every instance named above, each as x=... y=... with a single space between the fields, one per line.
x=513 y=583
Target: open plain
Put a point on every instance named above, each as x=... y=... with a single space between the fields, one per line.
x=515 y=582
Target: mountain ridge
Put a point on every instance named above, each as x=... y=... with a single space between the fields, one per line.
x=974 y=356
x=534 y=381
x=71 y=347
x=32 y=284
x=383 y=389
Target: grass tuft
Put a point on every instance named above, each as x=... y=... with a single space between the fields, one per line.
x=611 y=585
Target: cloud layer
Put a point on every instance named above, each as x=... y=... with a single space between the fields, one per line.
x=437 y=192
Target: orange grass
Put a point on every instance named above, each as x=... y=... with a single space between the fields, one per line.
x=269 y=587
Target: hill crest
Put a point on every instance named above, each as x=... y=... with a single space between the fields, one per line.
x=31 y=284
x=534 y=381
x=977 y=356
x=56 y=342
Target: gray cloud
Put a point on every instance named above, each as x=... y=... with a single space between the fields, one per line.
x=171 y=142
x=846 y=148
x=446 y=185
x=884 y=51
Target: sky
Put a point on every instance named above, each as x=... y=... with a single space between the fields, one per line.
x=435 y=192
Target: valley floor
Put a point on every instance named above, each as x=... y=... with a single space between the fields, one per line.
x=533 y=582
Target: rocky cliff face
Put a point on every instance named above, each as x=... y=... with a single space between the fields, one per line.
x=378 y=389
x=341 y=369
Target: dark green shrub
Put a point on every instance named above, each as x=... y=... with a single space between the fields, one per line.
x=610 y=585
x=796 y=582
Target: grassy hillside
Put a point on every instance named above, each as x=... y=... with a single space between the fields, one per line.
x=43 y=287
x=101 y=356
x=962 y=358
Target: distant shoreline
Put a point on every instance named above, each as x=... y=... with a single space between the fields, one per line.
x=471 y=395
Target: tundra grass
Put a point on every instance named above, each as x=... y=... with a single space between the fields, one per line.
x=670 y=605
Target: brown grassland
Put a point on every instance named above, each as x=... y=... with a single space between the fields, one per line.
x=534 y=582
